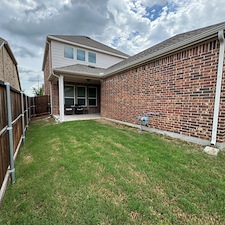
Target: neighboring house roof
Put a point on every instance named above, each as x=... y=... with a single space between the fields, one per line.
x=166 y=47
x=4 y=42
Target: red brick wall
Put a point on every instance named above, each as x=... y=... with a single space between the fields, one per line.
x=46 y=75
x=180 y=86
x=55 y=99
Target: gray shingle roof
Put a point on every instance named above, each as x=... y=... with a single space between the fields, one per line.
x=83 y=40
x=171 y=44
x=2 y=41
x=175 y=40
x=82 y=69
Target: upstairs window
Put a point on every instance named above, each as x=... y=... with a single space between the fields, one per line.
x=68 y=52
x=91 y=57
x=80 y=55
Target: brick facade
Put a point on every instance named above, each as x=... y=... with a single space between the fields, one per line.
x=8 y=69
x=181 y=86
x=47 y=73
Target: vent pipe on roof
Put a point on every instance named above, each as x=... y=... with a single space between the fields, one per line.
x=218 y=86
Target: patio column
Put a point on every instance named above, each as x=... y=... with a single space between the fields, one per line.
x=61 y=98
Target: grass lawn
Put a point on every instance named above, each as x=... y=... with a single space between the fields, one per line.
x=90 y=172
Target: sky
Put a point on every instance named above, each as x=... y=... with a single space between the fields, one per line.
x=127 y=25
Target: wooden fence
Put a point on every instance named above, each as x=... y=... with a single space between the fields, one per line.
x=11 y=134
x=39 y=105
x=16 y=110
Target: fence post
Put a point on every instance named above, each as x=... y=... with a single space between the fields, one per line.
x=22 y=114
x=29 y=108
x=26 y=110
x=11 y=148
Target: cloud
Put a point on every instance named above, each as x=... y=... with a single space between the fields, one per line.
x=129 y=17
x=52 y=17
x=129 y=25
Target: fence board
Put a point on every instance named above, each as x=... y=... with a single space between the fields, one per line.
x=17 y=129
x=40 y=105
x=4 y=155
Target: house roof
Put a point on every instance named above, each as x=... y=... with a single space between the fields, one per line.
x=4 y=42
x=87 y=41
x=82 y=70
x=166 y=47
x=172 y=44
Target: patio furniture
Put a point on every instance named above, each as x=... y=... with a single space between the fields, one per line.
x=79 y=109
x=68 y=110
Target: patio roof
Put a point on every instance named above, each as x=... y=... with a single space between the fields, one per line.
x=79 y=71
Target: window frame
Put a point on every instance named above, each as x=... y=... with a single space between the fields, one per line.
x=96 y=98
x=74 y=94
x=77 y=97
x=78 y=49
x=68 y=46
x=95 y=57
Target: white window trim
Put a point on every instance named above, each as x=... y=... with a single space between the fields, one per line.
x=85 y=55
x=74 y=96
x=64 y=52
x=93 y=97
x=95 y=57
x=82 y=97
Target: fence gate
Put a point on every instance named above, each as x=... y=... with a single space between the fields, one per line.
x=40 y=105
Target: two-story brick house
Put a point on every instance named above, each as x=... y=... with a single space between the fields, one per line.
x=181 y=79
x=68 y=64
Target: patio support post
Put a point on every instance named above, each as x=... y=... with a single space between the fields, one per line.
x=61 y=98
x=10 y=127
x=51 y=99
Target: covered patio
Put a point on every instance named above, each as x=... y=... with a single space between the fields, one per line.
x=75 y=92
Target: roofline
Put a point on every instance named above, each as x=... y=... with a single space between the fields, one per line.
x=45 y=53
x=77 y=74
x=9 y=51
x=86 y=46
x=168 y=50
x=181 y=45
x=6 y=44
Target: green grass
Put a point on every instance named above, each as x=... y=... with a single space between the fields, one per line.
x=90 y=172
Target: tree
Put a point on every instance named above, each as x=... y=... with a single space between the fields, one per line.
x=38 y=91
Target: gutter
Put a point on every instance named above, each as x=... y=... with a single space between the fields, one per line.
x=79 y=74
x=218 y=86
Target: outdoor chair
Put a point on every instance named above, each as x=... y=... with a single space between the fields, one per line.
x=79 y=109
x=68 y=110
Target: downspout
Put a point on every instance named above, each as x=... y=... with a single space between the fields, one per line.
x=218 y=86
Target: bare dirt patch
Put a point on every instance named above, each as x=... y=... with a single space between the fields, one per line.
x=27 y=159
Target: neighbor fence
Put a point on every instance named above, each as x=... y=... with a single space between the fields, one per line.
x=16 y=110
